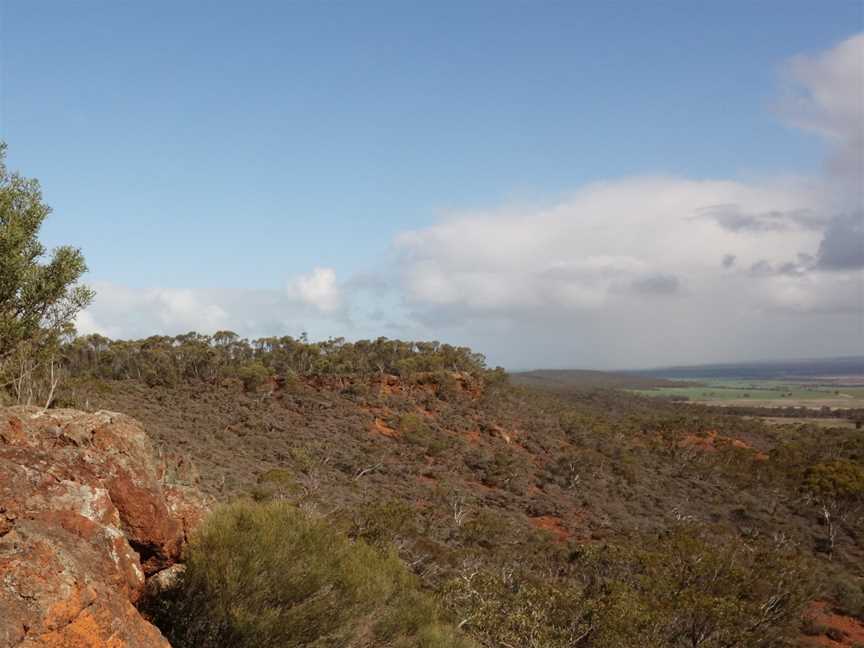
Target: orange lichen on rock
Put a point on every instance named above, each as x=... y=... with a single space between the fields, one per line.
x=85 y=518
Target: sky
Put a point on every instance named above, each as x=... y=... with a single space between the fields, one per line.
x=596 y=184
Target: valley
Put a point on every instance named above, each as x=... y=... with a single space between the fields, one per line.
x=467 y=470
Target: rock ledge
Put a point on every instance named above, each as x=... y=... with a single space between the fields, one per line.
x=85 y=518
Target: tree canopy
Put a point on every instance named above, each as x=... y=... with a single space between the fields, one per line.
x=39 y=293
x=192 y=356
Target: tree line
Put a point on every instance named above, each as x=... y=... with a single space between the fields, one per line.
x=168 y=360
x=41 y=295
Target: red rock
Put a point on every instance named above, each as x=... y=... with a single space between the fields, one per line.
x=187 y=505
x=84 y=519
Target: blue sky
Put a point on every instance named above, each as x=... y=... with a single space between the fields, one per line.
x=226 y=147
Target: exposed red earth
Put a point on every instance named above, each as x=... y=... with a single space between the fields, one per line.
x=840 y=630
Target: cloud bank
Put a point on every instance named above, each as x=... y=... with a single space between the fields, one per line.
x=311 y=302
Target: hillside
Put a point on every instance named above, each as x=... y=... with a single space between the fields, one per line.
x=467 y=474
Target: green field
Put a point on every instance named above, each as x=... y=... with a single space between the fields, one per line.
x=775 y=393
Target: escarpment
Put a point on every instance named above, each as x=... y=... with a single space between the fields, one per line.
x=87 y=516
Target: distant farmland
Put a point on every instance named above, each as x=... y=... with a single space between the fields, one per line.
x=836 y=383
x=762 y=393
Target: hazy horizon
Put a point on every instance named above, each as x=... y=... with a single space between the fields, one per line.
x=730 y=363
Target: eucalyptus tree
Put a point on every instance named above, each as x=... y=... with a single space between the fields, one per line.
x=39 y=292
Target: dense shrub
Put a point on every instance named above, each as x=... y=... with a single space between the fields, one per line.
x=690 y=588
x=415 y=431
x=252 y=375
x=381 y=523
x=597 y=469
x=837 y=480
x=683 y=588
x=262 y=575
x=277 y=484
x=503 y=610
x=847 y=595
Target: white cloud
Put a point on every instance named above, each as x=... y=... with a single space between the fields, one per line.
x=648 y=234
x=312 y=303
x=120 y=310
x=825 y=95
x=318 y=289
x=638 y=272
x=86 y=324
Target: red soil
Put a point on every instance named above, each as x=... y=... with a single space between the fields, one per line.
x=473 y=437
x=852 y=629
x=482 y=486
x=710 y=441
x=553 y=525
x=533 y=489
x=382 y=428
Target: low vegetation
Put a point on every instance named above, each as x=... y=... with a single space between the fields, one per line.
x=581 y=517
x=260 y=575
x=682 y=588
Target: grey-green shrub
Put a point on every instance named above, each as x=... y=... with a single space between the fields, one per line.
x=269 y=575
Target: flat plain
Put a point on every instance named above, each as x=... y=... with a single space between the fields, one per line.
x=812 y=394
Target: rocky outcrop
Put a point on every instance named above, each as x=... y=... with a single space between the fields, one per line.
x=85 y=519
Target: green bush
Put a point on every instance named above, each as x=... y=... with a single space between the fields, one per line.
x=380 y=523
x=847 y=596
x=253 y=375
x=486 y=528
x=269 y=575
x=415 y=431
x=276 y=483
x=839 y=479
x=411 y=425
x=502 y=610
x=691 y=588
x=684 y=588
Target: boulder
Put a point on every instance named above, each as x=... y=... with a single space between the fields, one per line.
x=85 y=518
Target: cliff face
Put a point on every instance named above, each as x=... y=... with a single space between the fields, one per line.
x=86 y=517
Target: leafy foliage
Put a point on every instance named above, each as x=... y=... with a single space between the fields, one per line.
x=164 y=360
x=840 y=480
x=688 y=588
x=261 y=575
x=681 y=588
x=38 y=299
